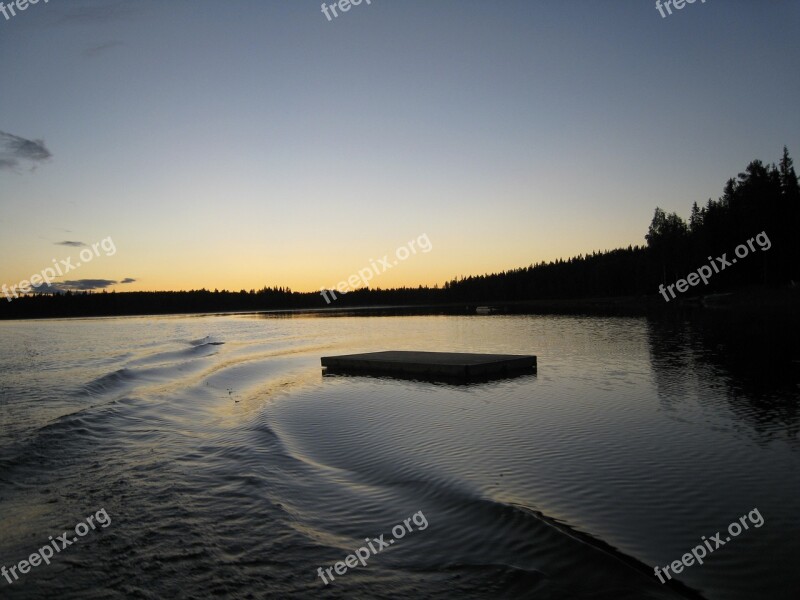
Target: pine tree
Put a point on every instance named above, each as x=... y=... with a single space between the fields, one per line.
x=789 y=184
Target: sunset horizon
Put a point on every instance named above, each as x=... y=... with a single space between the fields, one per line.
x=382 y=299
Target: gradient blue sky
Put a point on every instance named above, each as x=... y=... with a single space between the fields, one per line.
x=247 y=143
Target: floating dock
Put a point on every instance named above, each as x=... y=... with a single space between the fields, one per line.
x=432 y=365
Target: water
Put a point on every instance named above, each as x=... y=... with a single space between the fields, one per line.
x=230 y=467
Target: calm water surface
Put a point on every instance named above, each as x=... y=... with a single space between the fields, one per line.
x=231 y=468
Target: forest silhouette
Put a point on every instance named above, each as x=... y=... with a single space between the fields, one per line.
x=762 y=198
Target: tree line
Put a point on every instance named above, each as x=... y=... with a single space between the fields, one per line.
x=763 y=198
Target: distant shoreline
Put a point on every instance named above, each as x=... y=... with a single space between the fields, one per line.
x=781 y=302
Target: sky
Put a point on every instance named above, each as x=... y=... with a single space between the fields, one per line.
x=251 y=143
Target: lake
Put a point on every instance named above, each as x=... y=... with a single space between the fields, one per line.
x=230 y=467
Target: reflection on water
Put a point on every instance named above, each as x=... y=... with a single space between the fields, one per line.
x=231 y=467
x=753 y=362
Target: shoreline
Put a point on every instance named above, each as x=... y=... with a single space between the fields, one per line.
x=775 y=302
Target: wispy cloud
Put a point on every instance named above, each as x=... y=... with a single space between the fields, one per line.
x=72 y=244
x=15 y=149
x=79 y=285
x=98 y=49
x=87 y=284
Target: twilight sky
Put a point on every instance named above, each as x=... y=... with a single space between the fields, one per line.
x=246 y=143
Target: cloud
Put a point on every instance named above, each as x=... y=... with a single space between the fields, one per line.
x=98 y=49
x=72 y=244
x=79 y=285
x=14 y=149
x=87 y=284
